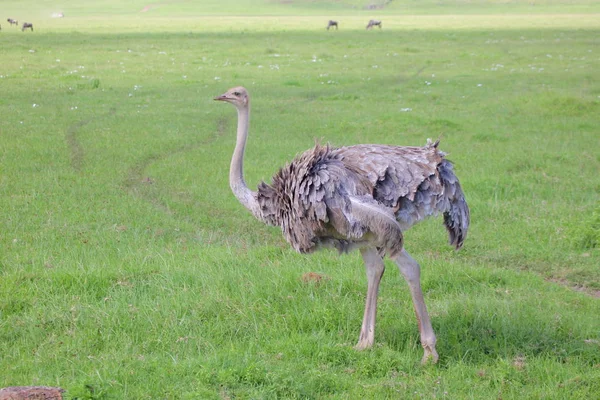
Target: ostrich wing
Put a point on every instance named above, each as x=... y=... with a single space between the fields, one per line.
x=395 y=172
x=415 y=182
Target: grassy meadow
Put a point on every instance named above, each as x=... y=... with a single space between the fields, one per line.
x=128 y=270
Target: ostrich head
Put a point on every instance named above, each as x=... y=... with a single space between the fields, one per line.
x=238 y=96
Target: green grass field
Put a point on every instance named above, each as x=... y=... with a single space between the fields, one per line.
x=129 y=271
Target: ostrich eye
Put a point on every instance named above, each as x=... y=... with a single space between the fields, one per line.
x=236 y=93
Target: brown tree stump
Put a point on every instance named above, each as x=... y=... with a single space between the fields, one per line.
x=31 y=393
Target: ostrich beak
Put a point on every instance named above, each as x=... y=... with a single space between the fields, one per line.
x=222 y=97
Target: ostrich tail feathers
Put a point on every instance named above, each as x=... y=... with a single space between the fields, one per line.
x=457 y=216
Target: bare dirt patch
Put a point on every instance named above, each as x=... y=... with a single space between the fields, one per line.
x=31 y=393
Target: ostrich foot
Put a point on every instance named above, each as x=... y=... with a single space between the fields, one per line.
x=363 y=344
x=430 y=355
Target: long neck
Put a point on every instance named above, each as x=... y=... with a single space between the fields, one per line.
x=236 y=171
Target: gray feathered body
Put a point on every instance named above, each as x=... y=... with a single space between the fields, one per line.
x=311 y=198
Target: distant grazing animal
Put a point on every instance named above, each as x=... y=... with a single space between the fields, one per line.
x=27 y=25
x=373 y=23
x=357 y=197
x=12 y=21
x=332 y=23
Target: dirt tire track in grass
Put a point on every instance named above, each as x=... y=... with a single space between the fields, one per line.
x=575 y=287
x=413 y=76
x=76 y=150
x=134 y=178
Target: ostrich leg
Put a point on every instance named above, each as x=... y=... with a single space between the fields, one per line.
x=375 y=267
x=412 y=273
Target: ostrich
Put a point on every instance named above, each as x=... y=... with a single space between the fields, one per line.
x=12 y=21
x=27 y=25
x=373 y=23
x=357 y=197
x=331 y=24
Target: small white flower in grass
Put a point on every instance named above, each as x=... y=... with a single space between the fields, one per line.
x=374 y=66
x=185 y=77
x=35 y=105
x=57 y=60
x=427 y=83
x=130 y=94
x=407 y=109
x=260 y=66
x=479 y=85
x=164 y=52
x=32 y=51
x=217 y=78
x=74 y=108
